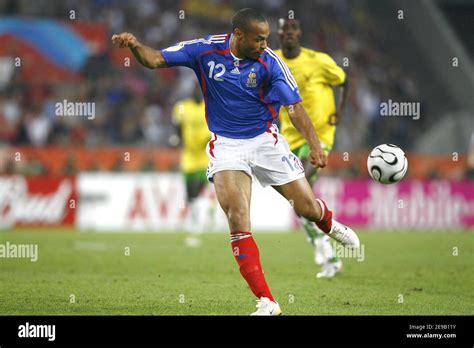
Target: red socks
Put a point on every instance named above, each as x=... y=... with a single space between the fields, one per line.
x=325 y=223
x=248 y=257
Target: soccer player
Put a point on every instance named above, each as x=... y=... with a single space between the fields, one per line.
x=189 y=119
x=244 y=83
x=316 y=74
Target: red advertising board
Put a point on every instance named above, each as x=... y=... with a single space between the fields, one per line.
x=37 y=201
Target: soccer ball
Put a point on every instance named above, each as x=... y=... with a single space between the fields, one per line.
x=387 y=164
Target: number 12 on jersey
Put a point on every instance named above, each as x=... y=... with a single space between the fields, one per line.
x=213 y=66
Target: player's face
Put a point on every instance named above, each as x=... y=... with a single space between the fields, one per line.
x=290 y=34
x=254 y=41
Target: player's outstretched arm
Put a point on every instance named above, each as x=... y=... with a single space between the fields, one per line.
x=302 y=123
x=147 y=56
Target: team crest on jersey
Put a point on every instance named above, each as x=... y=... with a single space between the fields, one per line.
x=251 y=79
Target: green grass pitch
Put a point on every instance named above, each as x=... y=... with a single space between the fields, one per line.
x=86 y=273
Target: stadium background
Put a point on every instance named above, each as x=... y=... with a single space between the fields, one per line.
x=119 y=171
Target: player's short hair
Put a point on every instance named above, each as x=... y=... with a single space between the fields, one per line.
x=243 y=17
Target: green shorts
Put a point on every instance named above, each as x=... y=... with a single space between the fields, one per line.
x=197 y=176
x=303 y=151
x=195 y=182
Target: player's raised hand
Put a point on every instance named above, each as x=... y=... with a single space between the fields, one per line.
x=125 y=40
x=318 y=157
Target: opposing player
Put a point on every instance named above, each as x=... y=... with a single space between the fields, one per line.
x=189 y=119
x=244 y=83
x=316 y=74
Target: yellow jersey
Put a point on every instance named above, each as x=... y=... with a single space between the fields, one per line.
x=315 y=73
x=191 y=117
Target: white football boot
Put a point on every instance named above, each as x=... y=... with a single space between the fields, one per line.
x=344 y=235
x=267 y=307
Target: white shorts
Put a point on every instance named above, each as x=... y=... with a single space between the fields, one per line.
x=266 y=156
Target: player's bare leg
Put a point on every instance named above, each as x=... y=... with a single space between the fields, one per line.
x=305 y=204
x=309 y=226
x=234 y=190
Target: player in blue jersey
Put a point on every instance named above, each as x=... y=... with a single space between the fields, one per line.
x=244 y=83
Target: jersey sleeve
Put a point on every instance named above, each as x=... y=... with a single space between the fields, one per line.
x=284 y=87
x=184 y=53
x=332 y=73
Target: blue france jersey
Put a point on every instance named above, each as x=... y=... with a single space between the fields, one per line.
x=242 y=96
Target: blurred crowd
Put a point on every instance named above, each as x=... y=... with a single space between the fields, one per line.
x=133 y=105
